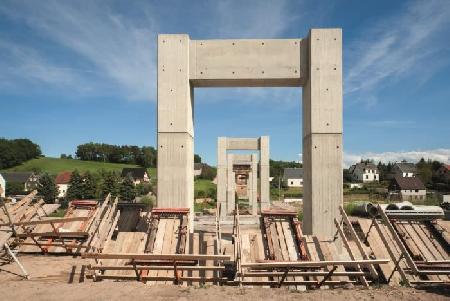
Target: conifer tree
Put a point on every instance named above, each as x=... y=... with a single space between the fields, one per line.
x=127 y=190
x=47 y=188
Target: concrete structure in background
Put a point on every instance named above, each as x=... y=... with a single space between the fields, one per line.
x=226 y=177
x=241 y=180
x=314 y=63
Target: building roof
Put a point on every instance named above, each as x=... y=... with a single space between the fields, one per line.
x=409 y=183
x=198 y=166
x=135 y=173
x=19 y=177
x=293 y=173
x=63 y=177
x=406 y=167
x=446 y=166
x=362 y=166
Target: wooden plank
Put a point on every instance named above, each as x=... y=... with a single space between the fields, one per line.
x=393 y=253
x=53 y=234
x=147 y=267
x=355 y=238
x=398 y=241
x=427 y=236
x=427 y=248
x=444 y=228
x=310 y=247
x=409 y=241
x=167 y=244
x=245 y=250
x=323 y=246
x=195 y=250
x=311 y=264
x=349 y=250
x=292 y=249
x=275 y=241
x=210 y=250
x=379 y=250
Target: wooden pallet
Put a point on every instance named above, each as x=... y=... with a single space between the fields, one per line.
x=281 y=255
x=85 y=225
x=418 y=250
x=165 y=254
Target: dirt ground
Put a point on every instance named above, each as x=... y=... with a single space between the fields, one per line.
x=61 y=278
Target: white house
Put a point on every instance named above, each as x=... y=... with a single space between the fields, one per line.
x=2 y=186
x=293 y=177
x=198 y=167
x=62 y=180
x=405 y=169
x=138 y=174
x=29 y=180
x=408 y=188
x=364 y=172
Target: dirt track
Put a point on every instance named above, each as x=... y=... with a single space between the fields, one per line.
x=58 y=278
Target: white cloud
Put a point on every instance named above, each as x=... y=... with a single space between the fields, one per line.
x=118 y=48
x=398 y=46
x=441 y=154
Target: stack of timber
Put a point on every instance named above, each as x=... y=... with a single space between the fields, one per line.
x=86 y=226
x=418 y=249
x=164 y=254
x=281 y=255
x=23 y=211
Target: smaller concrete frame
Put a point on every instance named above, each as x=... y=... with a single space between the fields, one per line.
x=226 y=176
x=251 y=161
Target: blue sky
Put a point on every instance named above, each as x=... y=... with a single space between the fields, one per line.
x=78 y=71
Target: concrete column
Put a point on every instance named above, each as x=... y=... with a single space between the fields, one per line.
x=253 y=183
x=175 y=125
x=222 y=174
x=231 y=183
x=264 y=172
x=322 y=132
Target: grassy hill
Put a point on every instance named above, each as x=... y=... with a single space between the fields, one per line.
x=56 y=165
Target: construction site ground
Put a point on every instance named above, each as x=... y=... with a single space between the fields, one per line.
x=59 y=278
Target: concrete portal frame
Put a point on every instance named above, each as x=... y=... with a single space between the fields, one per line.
x=314 y=63
x=225 y=175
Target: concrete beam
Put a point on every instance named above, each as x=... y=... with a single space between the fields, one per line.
x=242 y=143
x=264 y=62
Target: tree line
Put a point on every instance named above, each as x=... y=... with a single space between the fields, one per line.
x=129 y=154
x=92 y=186
x=16 y=151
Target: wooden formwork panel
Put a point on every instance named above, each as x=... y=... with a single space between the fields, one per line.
x=419 y=240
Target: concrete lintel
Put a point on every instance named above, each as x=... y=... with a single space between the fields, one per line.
x=242 y=143
x=242 y=59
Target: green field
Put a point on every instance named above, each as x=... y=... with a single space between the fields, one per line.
x=55 y=165
x=203 y=185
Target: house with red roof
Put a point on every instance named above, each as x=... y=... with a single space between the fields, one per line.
x=62 y=181
x=444 y=172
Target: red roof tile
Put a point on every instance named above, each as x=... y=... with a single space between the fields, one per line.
x=63 y=177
